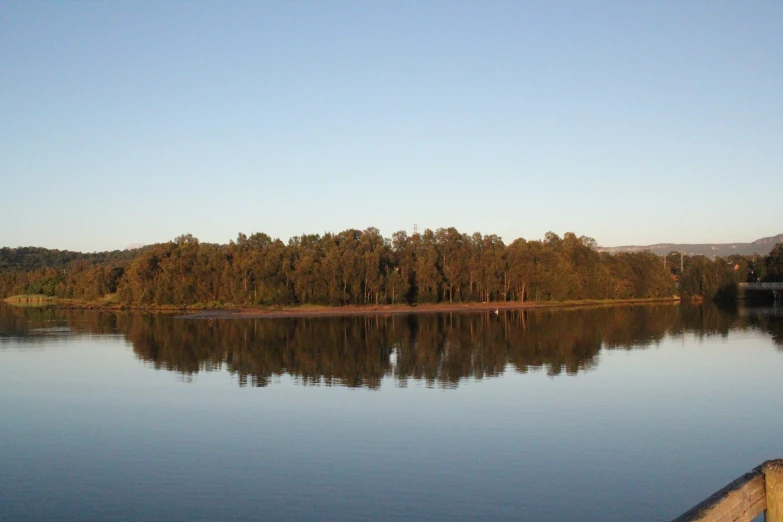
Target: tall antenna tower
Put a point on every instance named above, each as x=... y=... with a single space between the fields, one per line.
x=415 y=229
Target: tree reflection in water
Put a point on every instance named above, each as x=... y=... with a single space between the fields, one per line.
x=360 y=351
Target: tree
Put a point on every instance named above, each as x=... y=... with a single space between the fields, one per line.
x=773 y=264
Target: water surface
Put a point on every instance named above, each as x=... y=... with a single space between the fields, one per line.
x=591 y=414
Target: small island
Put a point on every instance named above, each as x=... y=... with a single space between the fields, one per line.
x=362 y=272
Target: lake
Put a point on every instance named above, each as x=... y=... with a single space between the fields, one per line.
x=610 y=413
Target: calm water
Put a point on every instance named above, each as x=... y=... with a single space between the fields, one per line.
x=628 y=413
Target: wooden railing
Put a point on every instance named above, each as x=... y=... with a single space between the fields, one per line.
x=744 y=499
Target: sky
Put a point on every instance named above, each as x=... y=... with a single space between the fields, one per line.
x=629 y=122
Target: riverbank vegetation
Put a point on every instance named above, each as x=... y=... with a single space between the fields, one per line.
x=363 y=268
x=31 y=300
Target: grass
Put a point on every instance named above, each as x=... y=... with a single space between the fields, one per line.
x=31 y=300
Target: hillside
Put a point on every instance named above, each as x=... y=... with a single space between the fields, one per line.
x=33 y=258
x=761 y=246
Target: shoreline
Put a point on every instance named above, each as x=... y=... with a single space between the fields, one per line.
x=234 y=312
x=387 y=310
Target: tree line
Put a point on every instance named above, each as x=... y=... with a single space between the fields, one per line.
x=359 y=267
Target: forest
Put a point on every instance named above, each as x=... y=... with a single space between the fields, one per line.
x=356 y=267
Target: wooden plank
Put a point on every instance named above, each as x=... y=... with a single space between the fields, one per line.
x=741 y=501
x=773 y=477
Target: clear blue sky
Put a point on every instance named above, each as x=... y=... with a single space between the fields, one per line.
x=630 y=122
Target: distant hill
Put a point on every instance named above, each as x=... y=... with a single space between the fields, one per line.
x=761 y=246
x=33 y=258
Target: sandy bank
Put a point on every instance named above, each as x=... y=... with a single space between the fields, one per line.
x=337 y=311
